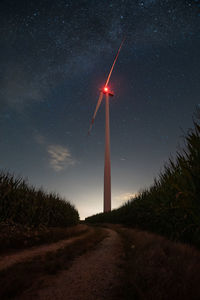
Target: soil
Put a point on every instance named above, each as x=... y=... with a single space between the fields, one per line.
x=7 y=261
x=94 y=275
x=110 y=262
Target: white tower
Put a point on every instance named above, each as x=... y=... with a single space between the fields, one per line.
x=107 y=164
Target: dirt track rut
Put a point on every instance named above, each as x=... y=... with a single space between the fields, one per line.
x=95 y=275
x=7 y=261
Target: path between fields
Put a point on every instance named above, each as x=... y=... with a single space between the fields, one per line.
x=130 y=265
x=95 y=275
x=20 y=256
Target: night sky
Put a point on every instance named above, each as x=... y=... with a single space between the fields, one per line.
x=55 y=55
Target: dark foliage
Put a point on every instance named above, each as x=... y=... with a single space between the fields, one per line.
x=23 y=204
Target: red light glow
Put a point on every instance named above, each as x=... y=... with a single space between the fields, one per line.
x=105 y=89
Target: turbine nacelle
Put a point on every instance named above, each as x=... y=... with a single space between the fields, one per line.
x=106 y=90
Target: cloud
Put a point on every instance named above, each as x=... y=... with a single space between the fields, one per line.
x=122 y=198
x=59 y=157
x=126 y=196
x=123 y=158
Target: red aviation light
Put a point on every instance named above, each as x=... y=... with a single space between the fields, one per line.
x=106 y=91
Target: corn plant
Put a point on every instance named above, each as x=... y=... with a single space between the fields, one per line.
x=26 y=205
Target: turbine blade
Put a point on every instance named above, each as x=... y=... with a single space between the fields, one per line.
x=95 y=112
x=107 y=81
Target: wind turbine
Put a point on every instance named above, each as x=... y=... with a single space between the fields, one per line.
x=107 y=165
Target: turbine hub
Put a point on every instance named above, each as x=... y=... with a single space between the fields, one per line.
x=106 y=90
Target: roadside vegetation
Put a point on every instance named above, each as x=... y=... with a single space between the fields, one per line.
x=18 y=237
x=171 y=206
x=23 y=204
x=156 y=268
x=30 y=216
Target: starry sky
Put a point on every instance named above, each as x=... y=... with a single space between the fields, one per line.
x=55 y=55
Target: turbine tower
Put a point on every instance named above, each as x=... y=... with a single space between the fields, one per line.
x=107 y=164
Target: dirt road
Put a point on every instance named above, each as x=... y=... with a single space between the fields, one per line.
x=7 y=261
x=113 y=263
x=83 y=267
x=93 y=276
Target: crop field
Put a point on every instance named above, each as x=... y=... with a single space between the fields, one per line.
x=23 y=204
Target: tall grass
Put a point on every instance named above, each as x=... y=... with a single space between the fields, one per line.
x=171 y=206
x=22 y=203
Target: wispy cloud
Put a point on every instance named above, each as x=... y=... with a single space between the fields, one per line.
x=126 y=196
x=122 y=198
x=59 y=157
x=123 y=158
